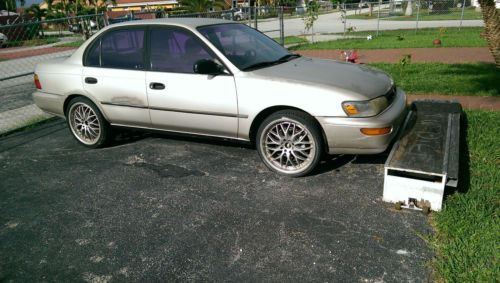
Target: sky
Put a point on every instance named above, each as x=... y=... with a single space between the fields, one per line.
x=29 y=3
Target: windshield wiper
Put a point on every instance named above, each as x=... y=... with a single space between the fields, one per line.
x=288 y=57
x=283 y=59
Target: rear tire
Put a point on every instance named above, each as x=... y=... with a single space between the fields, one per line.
x=290 y=143
x=87 y=124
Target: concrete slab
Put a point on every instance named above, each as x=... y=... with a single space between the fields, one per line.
x=20 y=117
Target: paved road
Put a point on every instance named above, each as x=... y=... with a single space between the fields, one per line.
x=157 y=208
x=331 y=23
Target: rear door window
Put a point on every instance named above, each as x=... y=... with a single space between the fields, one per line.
x=120 y=49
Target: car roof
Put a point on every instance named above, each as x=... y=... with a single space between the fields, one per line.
x=186 y=22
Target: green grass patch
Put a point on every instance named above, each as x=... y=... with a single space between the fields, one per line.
x=448 y=79
x=292 y=40
x=451 y=14
x=32 y=42
x=424 y=15
x=467 y=229
x=75 y=44
x=451 y=37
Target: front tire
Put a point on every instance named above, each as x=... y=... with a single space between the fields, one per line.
x=289 y=142
x=87 y=124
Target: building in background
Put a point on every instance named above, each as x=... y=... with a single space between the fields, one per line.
x=140 y=5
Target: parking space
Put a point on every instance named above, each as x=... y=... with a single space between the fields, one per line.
x=158 y=207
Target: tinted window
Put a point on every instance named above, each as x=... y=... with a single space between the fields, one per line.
x=175 y=50
x=242 y=45
x=123 y=49
x=93 y=55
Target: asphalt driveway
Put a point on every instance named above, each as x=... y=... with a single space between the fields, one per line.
x=162 y=208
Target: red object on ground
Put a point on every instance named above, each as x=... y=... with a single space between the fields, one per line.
x=353 y=56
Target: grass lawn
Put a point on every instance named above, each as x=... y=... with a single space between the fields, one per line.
x=292 y=40
x=424 y=15
x=468 y=229
x=452 y=37
x=447 y=79
x=71 y=44
x=452 y=14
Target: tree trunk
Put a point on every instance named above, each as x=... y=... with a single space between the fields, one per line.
x=409 y=9
x=491 y=19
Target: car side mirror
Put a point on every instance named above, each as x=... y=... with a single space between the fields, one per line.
x=207 y=67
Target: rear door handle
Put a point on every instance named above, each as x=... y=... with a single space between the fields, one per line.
x=156 y=86
x=90 y=80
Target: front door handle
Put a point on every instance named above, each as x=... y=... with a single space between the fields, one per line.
x=156 y=86
x=90 y=80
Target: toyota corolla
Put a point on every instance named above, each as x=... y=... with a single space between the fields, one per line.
x=224 y=79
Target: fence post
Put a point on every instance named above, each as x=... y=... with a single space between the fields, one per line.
x=462 y=16
x=282 y=27
x=418 y=15
x=255 y=14
x=378 y=15
x=343 y=15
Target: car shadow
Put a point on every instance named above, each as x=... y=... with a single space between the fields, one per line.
x=125 y=136
x=328 y=163
x=335 y=162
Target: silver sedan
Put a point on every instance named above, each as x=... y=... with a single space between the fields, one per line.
x=220 y=78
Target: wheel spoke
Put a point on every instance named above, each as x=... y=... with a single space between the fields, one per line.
x=288 y=145
x=298 y=158
x=85 y=123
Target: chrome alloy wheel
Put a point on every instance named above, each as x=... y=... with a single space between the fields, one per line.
x=288 y=146
x=84 y=123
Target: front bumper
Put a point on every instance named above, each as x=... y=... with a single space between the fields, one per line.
x=344 y=135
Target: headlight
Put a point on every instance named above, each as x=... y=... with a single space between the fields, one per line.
x=366 y=108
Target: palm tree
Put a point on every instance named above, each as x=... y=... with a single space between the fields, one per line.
x=36 y=12
x=491 y=17
x=10 y=5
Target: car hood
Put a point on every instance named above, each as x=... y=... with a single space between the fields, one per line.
x=363 y=81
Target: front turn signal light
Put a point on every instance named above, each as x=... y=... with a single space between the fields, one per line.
x=350 y=109
x=37 y=82
x=376 y=131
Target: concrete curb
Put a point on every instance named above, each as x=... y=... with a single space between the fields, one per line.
x=21 y=117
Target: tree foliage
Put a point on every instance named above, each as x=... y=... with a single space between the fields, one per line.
x=201 y=6
x=310 y=16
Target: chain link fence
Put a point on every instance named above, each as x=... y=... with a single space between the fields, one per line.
x=28 y=41
x=412 y=14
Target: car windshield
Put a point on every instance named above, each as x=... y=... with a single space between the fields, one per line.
x=245 y=47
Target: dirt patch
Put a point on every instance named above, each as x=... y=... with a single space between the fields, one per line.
x=469 y=102
x=33 y=52
x=438 y=55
